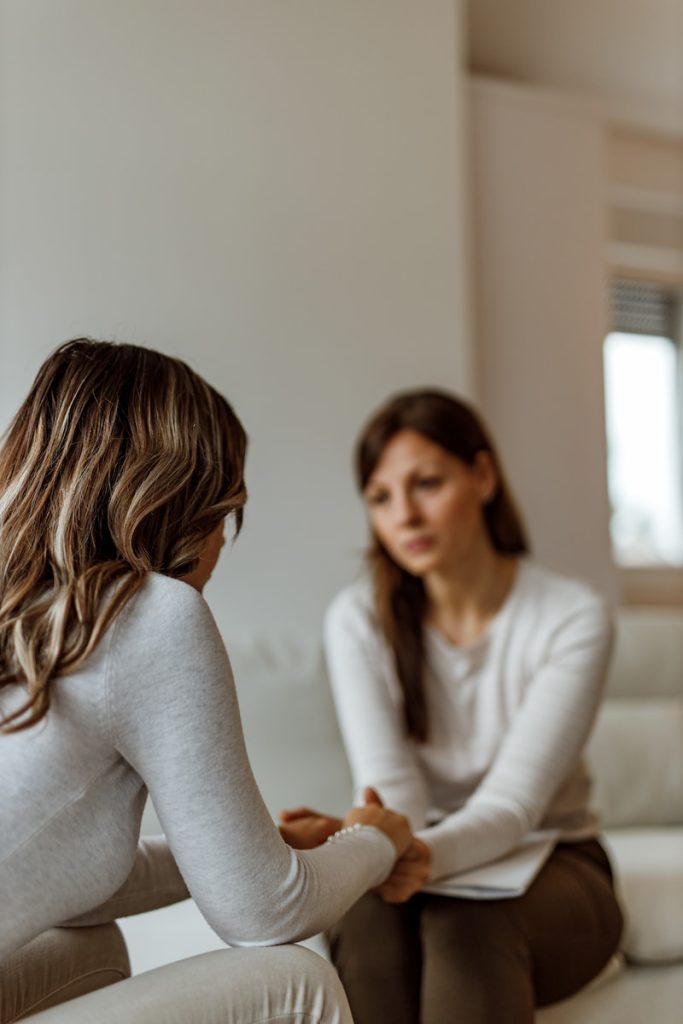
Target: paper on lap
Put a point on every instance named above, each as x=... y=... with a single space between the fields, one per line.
x=505 y=878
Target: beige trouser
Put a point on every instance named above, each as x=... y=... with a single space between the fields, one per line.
x=67 y=975
x=61 y=964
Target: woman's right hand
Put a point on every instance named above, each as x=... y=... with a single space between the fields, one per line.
x=409 y=875
x=395 y=826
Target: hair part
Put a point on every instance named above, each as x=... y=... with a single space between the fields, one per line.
x=400 y=597
x=121 y=461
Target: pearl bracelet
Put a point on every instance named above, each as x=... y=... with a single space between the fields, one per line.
x=345 y=832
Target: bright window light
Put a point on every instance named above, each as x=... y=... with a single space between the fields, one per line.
x=644 y=450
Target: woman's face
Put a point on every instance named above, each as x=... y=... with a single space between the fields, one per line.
x=425 y=505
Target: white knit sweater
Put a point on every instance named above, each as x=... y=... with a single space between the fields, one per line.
x=155 y=707
x=508 y=717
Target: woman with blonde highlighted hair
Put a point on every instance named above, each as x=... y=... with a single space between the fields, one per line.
x=116 y=477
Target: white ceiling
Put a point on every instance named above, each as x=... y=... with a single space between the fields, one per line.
x=620 y=49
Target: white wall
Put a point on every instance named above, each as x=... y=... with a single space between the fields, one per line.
x=274 y=192
x=541 y=312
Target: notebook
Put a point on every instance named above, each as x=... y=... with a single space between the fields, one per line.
x=505 y=878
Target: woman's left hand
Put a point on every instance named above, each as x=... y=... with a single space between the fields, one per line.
x=303 y=828
x=410 y=873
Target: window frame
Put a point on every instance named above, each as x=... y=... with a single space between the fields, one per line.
x=657 y=585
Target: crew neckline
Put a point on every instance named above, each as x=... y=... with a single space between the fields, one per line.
x=442 y=640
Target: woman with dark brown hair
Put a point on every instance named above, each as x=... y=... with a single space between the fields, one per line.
x=116 y=477
x=466 y=679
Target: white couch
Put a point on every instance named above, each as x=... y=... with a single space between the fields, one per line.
x=637 y=756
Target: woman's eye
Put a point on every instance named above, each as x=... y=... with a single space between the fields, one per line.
x=379 y=498
x=429 y=483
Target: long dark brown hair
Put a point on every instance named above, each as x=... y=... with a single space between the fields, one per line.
x=121 y=461
x=400 y=597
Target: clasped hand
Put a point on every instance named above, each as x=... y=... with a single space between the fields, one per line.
x=303 y=828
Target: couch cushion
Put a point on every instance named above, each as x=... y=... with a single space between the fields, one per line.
x=290 y=725
x=648 y=653
x=649 y=869
x=636 y=758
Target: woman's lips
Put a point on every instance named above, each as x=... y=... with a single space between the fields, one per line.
x=418 y=545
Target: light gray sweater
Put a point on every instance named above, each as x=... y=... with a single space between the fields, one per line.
x=155 y=708
x=509 y=716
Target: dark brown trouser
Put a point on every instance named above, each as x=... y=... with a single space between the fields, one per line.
x=441 y=960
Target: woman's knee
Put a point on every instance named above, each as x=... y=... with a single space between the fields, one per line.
x=376 y=948
x=380 y=936
x=320 y=992
x=229 y=986
x=471 y=924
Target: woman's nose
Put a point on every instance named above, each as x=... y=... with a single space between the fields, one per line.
x=407 y=510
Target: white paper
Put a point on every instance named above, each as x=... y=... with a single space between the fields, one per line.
x=504 y=878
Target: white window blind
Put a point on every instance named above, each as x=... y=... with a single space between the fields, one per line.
x=641 y=308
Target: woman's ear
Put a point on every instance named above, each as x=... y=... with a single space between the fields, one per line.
x=487 y=476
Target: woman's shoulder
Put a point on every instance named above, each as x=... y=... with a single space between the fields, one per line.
x=165 y=633
x=555 y=597
x=166 y=613
x=165 y=595
x=549 y=584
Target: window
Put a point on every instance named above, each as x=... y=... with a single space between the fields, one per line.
x=643 y=416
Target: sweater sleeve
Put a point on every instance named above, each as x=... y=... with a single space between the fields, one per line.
x=370 y=716
x=173 y=715
x=539 y=751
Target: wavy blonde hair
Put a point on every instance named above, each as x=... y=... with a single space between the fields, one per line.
x=120 y=462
